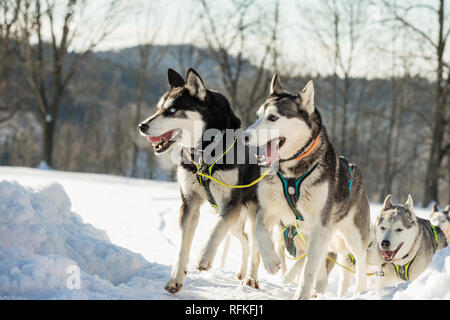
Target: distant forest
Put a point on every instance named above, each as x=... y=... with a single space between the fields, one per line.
x=78 y=111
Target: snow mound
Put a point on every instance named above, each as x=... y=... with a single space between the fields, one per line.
x=45 y=247
x=433 y=283
x=39 y=225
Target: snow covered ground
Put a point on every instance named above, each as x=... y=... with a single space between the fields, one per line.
x=89 y=236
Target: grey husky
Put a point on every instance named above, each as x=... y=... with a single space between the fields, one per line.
x=441 y=219
x=314 y=186
x=405 y=244
x=185 y=113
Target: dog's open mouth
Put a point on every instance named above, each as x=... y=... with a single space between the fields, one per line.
x=268 y=153
x=163 y=142
x=389 y=255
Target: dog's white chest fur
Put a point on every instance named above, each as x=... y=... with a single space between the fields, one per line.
x=220 y=192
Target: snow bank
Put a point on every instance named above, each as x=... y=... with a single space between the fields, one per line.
x=47 y=252
x=40 y=238
x=44 y=246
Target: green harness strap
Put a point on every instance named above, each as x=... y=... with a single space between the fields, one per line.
x=291 y=190
x=435 y=233
x=402 y=271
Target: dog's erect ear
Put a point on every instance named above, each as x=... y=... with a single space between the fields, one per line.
x=194 y=84
x=174 y=78
x=447 y=209
x=409 y=205
x=275 y=85
x=307 y=97
x=435 y=207
x=387 y=202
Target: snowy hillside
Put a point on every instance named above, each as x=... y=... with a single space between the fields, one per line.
x=121 y=235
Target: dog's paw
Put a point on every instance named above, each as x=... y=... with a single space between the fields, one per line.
x=204 y=263
x=272 y=265
x=173 y=287
x=251 y=282
x=288 y=279
x=302 y=295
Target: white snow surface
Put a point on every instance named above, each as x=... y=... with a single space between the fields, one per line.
x=122 y=235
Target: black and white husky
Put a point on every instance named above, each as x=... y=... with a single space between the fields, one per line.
x=322 y=191
x=186 y=112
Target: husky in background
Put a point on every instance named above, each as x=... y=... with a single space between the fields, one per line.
x=441 y=219
x=329 y=192
x=187 y=106
x=405 y=244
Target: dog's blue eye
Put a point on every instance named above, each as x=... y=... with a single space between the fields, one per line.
x=172 y=110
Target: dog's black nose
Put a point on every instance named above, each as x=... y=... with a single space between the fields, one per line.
x=385 y=244
x=143 y=127
x=246 y=139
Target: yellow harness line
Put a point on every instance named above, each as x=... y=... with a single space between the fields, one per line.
x=209 y=176
x=265 y=173
x=304 y=241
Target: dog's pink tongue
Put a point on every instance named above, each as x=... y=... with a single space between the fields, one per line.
x=387 y=255
x=166 y=136
x=272 y=154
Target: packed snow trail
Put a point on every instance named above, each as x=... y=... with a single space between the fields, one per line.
x=122 y=234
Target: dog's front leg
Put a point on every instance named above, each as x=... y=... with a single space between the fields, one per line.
x=292 y=274
x=228 y=216
x=316 y=253
x=264 y=223
x=251 y=278
x=189 y=214
x=346 y=276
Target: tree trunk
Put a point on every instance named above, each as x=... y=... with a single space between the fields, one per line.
x=48 y=131
x=344 y=115
x=435 y=158
x=388 y=165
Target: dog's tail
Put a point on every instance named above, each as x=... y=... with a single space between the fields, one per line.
x=225 y=251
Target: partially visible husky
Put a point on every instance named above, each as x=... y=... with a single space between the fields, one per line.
x=187 y=106
x=441 y=219
x=405 y=244
x=330 y=193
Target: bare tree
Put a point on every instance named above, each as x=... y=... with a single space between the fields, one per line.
x=9 y=14
x=149 y=58
x=49 y=66
x=341 y=27
x=436 y=45
x=228 y=39
x=187 y=34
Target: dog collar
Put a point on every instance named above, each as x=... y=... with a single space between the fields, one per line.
x=305 y=151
